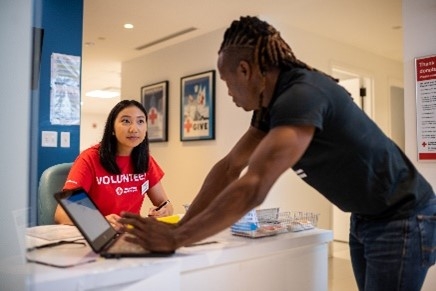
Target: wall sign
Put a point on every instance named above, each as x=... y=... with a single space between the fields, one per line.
x=65 y=89
x=154 y=97
x=197 y=106
x=426 y=107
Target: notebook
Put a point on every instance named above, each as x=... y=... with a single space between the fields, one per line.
x=100 y=235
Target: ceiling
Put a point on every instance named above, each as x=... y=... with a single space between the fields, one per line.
x=372 y=25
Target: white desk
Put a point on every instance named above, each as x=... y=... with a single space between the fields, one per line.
x=290 y=261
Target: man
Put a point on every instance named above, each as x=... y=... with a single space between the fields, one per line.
x=304 y=120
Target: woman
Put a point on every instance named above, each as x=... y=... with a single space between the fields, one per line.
x=119 y=171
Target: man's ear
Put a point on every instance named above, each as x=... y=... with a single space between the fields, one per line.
x=244 y=68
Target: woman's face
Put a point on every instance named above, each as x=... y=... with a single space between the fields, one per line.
x=130 y=129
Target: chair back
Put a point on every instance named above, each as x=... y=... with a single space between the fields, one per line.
x=52 y=181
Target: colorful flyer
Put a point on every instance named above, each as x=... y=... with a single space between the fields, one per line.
x=426 y=107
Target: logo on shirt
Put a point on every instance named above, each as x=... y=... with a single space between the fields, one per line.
x=121 y=190
x=300 y=173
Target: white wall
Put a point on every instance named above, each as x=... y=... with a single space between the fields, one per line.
x=91 y=129
x=419 y=21
x=187 y=163
x=15 y=27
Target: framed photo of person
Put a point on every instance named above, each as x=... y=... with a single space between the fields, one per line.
x=197 y=106
x=154 y=97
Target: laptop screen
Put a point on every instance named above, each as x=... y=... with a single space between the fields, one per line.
x=87 y=218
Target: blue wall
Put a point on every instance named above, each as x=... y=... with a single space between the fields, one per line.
x=62 y=23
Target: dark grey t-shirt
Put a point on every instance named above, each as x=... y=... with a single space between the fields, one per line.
x=350 y=160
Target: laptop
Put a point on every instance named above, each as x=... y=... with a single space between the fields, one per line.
x=97 y=231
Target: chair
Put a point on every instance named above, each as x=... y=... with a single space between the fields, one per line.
x=52 y=181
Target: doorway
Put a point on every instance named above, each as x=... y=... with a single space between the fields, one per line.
x=397 y=116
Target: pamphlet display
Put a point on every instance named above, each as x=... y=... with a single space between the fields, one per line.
x=270 y=221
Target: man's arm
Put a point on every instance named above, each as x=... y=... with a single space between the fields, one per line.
x=280 y=149
x=224 y=172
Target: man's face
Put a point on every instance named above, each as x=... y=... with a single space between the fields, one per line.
x=242 y=83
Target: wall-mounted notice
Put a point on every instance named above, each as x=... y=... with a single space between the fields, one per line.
x=426 y=107
x=65 y=90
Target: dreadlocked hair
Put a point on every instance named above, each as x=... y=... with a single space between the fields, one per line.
x=266 y=46
x=108 y=146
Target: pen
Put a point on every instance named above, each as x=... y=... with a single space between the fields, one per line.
x=162 y=205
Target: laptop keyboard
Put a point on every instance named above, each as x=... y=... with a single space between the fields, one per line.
x=123 y=246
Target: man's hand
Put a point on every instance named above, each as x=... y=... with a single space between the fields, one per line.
x=151 y=234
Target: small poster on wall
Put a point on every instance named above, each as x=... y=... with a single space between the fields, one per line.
x=65 y=90
x=197 y=109
x=154 y=97
x=426 y=107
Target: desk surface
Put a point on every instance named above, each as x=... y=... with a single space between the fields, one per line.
x=228 y=250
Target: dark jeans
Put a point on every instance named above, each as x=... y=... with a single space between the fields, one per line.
x=393 y=255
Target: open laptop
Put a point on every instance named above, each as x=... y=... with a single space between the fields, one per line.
x=97 y=231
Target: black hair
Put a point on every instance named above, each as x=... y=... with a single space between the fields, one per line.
x=108 y=146
x=262 y=44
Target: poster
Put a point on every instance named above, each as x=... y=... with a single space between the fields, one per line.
x=197 y=107
x=154 y=97
x=65 y=90
x=426 y=107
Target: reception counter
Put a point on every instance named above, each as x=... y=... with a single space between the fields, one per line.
x=288 y=261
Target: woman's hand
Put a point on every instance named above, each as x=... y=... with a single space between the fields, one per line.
x=159 y=198
x=113 y=220
x=165 y=209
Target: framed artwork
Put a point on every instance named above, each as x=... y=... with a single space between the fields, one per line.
x=197 y=106
x=154 y=97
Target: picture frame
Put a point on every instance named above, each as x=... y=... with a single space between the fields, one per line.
x=197 y=106
x=154 y=97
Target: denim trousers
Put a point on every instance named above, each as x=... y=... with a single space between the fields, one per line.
x=396 y=254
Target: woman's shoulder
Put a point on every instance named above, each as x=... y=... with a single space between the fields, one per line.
x=152 y=160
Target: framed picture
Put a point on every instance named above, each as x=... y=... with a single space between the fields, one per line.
x=197 y=106
x=154 y=97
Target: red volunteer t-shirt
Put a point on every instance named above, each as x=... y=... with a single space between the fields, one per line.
x=112 y=193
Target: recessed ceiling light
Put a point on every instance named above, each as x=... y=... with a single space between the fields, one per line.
x=128 y=26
